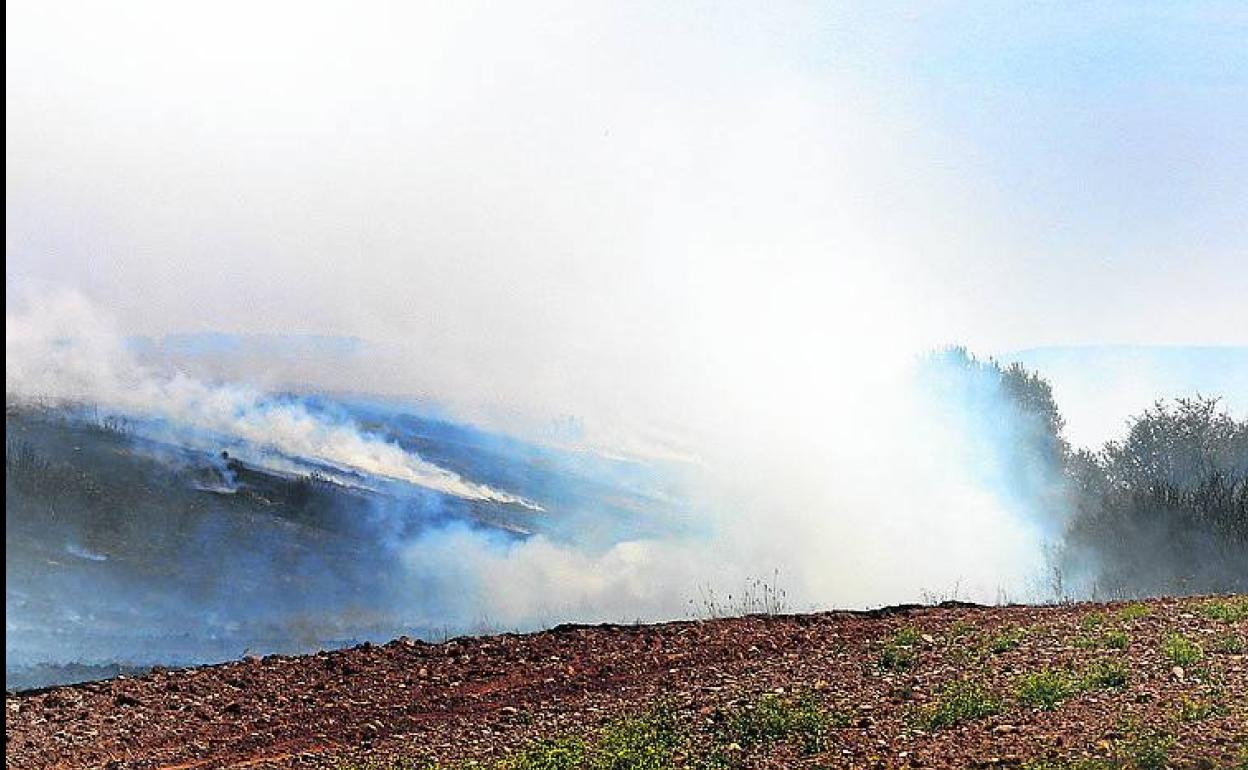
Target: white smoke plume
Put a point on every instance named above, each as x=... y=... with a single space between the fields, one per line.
x=873 y=496
x=706 y=238
x=59 y=349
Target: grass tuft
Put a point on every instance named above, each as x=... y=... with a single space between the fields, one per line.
x=900 y=653
x=1093 y=620
x=1192 y=710
x=1116 y=640
x=1230 y=644
x=1150 y=751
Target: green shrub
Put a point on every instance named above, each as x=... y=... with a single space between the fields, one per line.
x=1093 y=621
x=1230 y=644
x=387 y=763
x=639 y=743
x=1086 y=642
x=907 y=636
x=963 y=629
x=1197 y=710
x=568 y=753
x=898 y=658
x=646 y=742
x=900 y=653
x=1090 y=763
x=1116 y=640
x=1150 y=751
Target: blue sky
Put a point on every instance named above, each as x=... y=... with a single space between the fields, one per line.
x=1110 y=139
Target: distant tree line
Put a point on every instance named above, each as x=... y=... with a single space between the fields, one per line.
x=1162 y=510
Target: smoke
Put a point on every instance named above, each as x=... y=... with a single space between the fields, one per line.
x=891 y=489
x=59 y=349
x=705 y=242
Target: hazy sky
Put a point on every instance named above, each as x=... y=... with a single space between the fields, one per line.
x=548 y=199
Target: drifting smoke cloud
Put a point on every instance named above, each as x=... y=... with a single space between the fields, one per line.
x=878 y=497
x=714 y=235
x=59 y=349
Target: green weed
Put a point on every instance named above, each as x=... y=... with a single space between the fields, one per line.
x=1007 y=639
x=960 y=702
x=1181 y=651
x=1233 y=610
x=1106 y=674
x=1046 y=688
x=774 y=719
x=1133 y=612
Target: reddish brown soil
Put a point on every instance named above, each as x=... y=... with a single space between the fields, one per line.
x=482 y=696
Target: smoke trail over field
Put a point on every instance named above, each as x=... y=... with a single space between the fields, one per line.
x=891 y=488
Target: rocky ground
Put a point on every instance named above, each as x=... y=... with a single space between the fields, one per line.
x=1164 y=683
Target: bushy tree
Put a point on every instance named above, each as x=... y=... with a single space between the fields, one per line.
x=1164 y=509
